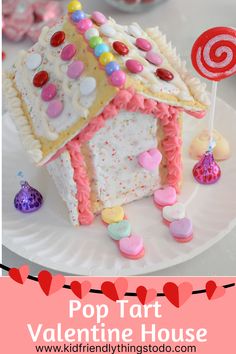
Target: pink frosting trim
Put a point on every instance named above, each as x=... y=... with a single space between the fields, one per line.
x=197 y=114
x=127 y=99
x=81 y=179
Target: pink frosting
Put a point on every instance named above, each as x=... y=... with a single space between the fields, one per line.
x=198 y=114
x=81 y=179
x=127 y=99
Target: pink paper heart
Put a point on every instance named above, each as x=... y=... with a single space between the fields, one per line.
x=146 y=296
x=132 y=245
x=115 y=291
x=50 y=283
x=213 y=291
x=150 y=159
x=19 y=274
x=178 y=295
x=165 y=196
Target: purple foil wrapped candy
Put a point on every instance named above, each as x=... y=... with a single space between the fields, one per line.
x=28 y=199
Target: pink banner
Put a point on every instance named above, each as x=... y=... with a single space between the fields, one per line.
x=117 y=315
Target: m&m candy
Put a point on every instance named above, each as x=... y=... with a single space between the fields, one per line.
x=111 y=67
x=101 y=48
x=164 y=74
x=57 y=38
x=78 y=16
x=94 y=41
x=74 y=5
x=120 y=48
x=106 y=58
x=40 y=79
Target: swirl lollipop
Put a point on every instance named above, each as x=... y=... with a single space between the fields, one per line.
x=213 y=57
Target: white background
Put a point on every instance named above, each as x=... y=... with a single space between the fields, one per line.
x=182 y=21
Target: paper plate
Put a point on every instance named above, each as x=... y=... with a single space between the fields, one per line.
x=47 y=238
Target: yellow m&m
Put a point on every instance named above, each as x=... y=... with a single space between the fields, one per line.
x=106 y=58
x=74 y=5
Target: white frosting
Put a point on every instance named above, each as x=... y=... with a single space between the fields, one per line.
x=176 y=87
x=118 y=178
x=75 y=105
x=31 y=145
x=198 y=89
x=62 y=173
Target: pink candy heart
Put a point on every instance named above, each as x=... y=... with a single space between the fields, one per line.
x=165 y=196
x=132 y=245
x=182 y=229
x=150 y=159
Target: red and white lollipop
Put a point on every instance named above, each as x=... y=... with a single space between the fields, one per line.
x=214 y=53
x=213 y=57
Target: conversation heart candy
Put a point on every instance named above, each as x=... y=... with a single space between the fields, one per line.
x=174 y=212
x=119 y=230
x=131 y=246
x=182 y=230
x=112 y=215
x=150 y=159
x=165 y=196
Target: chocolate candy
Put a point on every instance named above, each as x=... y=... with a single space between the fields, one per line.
x=40 y=79
x=120 y=48
x=164 y=74
x=57 y=38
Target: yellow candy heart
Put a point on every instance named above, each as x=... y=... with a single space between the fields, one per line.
x=106 y=58
x=112 y=215
x=74 y=6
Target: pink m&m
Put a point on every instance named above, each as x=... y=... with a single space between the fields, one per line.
x=49 y=91
x=84 y=25
x=99 y=18
x=143 y=44
x=154 y=58
x=75 y=69
x=68 y=52
x=134 y=66
x=55 y=108
x=118 y=78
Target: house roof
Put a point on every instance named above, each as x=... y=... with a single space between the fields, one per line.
x=79 y=99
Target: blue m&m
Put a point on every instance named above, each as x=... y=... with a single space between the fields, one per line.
x=111 y=67
x=77 y=16
x=100 y=49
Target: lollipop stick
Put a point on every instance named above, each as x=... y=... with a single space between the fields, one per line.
x=212 y=111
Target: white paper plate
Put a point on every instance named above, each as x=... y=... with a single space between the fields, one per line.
x=47 y=238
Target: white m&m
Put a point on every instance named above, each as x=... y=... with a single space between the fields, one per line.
x=33 y=61
x=92 y=32
x=87 y=86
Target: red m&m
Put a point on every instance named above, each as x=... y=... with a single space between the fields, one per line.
x=57 y=38
x=40 y=78
x=164 y=74
x=120 y=48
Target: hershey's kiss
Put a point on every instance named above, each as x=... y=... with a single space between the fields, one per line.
x=28 y=199
x=207 y=171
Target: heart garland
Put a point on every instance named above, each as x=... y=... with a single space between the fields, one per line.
x=177 y=295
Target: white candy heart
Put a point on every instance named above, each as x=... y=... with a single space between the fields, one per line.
x=174 y=212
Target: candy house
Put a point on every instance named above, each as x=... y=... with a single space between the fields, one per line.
x=100 y=105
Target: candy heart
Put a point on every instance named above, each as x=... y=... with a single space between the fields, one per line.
x=182 y=230
x=213 y=291
x=200 y=145
x=80 y=289
x=165 y=196
x=174 y=212
x=119 y=230
x=178 y=295
x=112 y=215
x=132 y=245
x=150 y=159
x=50 y=283
x=115 y=291
x=19 y=274
x=145 y=295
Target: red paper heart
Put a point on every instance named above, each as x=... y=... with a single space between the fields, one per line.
x=50 y=283
x=213 y=291
x=19 y=274
x=178 y=295
x=115 y=291
x=146 y=296
x=80 y=289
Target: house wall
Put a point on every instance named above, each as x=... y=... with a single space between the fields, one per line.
x=111 y=155
x=63 y=175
